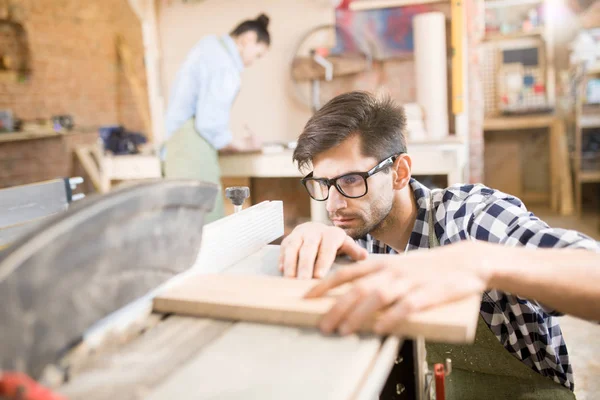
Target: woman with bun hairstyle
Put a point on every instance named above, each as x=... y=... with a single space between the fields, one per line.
x=197 y=118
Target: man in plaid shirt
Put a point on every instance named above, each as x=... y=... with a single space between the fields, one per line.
x=356 y=147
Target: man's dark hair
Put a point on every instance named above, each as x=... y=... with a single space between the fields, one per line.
x=258 y=25
x=379 y=122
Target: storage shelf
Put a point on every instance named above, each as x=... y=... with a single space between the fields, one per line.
x=594 y=70
x=509 y=3
x=497 y=37
x=589 y=176
x=503 y=123
x=589 y=121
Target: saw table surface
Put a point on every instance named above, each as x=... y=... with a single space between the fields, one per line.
x=176 y=357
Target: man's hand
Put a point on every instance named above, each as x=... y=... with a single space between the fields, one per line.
x=402 y=284
x=310 y=250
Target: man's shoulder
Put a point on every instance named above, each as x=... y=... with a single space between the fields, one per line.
x=471 y=192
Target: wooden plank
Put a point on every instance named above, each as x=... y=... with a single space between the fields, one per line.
x=306 y=69
x=253 y=361
x=590 y=176
x=18 y=136
x=563 y=169
x=589 y=120
x=279 y=300
x=131 y=371
x=90 y=167
x=376 y=376
x=139 y=91
x=358 y=5
x=501 y=37
x=513 y=123
x=508 y=3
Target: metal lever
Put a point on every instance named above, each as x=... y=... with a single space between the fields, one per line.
x=72 y=185
x=237 y=195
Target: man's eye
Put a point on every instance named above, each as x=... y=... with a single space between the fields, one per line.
x=350 y=180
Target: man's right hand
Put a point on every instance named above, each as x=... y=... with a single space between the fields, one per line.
x=310 y=250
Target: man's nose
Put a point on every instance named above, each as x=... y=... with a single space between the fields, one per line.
x=335 y=201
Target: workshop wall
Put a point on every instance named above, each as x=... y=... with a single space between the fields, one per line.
x=74 y=64
x=277 y=115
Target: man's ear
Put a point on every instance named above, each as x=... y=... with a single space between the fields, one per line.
x=402 y=170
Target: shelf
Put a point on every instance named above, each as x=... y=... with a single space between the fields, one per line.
x=520 y=122
x=497 y=37
x=589 y=121
x=509 y=3
x=43 y=134
x=18 y=136
x=306 y=69
x=594 y=70
x=589 y=176
x=359 y=5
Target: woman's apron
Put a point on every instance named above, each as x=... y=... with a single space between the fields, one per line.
x=190 y=156
x=485 y=369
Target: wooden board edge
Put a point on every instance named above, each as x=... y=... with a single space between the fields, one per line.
x=376 y=375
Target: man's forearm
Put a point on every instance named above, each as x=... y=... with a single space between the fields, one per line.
x=563 y=279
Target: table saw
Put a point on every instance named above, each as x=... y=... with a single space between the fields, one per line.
x=77 y=316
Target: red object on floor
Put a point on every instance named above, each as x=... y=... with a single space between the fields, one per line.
x=440 y=378
x=18 y=386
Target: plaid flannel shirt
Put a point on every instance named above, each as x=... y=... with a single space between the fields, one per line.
x=527 y=329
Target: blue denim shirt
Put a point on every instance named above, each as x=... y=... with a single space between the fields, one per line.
x=205 y=88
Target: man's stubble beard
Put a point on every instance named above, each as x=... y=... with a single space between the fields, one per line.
x=377 y=224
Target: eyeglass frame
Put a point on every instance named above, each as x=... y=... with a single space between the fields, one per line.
x=389 y=161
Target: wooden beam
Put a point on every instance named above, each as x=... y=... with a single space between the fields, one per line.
x=84 y=156
x=139 y=92
x=279 y=300
x=565 y=204
x=457 y=33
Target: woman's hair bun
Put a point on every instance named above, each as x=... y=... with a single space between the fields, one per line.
x=263 y=19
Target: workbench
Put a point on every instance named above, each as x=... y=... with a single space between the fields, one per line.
x=447 y=157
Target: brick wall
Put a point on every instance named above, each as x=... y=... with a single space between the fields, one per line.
x=74 y=64
x=74 y=70
x=29 y=161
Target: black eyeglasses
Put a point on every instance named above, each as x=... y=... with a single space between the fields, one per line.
x=352 y=185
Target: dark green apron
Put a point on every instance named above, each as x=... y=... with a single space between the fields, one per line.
x=485 y=369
